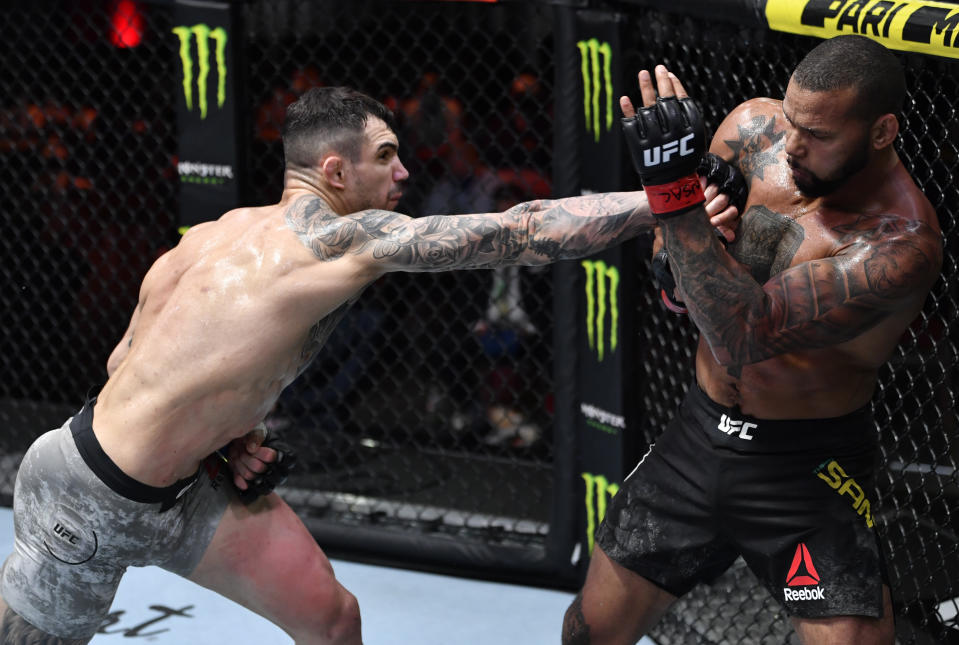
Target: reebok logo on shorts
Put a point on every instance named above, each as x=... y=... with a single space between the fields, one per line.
x=802 y=573
x=734 y=426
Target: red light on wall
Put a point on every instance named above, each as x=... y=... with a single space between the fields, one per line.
x=126 y=25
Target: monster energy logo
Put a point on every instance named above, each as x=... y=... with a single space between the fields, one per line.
x=602 y=296
x=203 y=35
x=597 y=78
x=195 y=172
x=598 y=489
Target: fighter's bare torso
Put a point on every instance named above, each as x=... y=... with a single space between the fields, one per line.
x=230 y=316
x=225 y=321
x=868 y=233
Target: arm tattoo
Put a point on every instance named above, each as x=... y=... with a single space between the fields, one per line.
x=441 y=242
x=536 y=232
x=319 y=228
x=886 y=261
x=757 y=146
x=532 y=232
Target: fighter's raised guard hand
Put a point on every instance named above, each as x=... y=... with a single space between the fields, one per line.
x=666 y=139
x=723 y=206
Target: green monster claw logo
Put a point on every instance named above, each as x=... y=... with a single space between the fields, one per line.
x=598 y=489
x=602 y=283
x=596 y=78
x=203 y=35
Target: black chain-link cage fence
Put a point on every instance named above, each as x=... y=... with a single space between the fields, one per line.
x=723 y=64
x=431 y=406
x=88 y=137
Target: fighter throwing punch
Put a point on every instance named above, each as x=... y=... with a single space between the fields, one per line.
x=224 y=322
x=834 y=257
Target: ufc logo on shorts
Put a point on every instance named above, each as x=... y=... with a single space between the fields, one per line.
x=734 y=426
x=661 y=154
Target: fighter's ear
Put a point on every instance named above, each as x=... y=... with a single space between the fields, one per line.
x=332 y=167
x=884 y=131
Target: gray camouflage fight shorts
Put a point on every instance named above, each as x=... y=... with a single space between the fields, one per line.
x=80 y=522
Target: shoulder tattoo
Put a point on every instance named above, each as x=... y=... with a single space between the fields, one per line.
x=757 y=146
x=329 y=235
x=311 y=219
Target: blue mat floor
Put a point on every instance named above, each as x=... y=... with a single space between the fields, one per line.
x=399 y=607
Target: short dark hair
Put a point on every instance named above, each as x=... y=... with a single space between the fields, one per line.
x=858 y=62
x=329 y=118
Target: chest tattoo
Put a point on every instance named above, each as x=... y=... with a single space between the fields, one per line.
x=757 y=146
x=766 y=242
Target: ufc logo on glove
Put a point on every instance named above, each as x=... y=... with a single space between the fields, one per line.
x=666 y=142
x=664 y=152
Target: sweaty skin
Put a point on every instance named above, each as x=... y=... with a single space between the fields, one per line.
x=230 y=316
x=224 y=322
x=815 y=334
x=833 y=259
x=816 y=291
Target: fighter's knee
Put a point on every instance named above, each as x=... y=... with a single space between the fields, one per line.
x=344 y=626
x=351 y=616
x=333 y=618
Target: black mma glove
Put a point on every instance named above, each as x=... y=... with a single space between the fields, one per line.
x=727 y=178
x=274 y=475
x=666 y=142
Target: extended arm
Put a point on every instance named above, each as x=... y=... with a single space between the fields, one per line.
x=531 y=233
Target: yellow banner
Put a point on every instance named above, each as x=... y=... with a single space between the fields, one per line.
x=923 y=26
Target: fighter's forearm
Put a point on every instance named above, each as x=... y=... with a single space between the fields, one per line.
x=887 y=263
x=722 y=297
x=531 y=233
x=575 y=227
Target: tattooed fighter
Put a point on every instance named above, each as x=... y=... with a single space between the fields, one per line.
x=771 y=456
x=225 y=321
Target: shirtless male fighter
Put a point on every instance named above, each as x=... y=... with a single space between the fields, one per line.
x=225 y=321
x=834 y=257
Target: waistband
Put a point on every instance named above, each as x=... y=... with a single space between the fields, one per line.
x=731 y=428
x=110 y=474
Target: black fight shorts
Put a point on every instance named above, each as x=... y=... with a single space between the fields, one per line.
x=793 y=498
